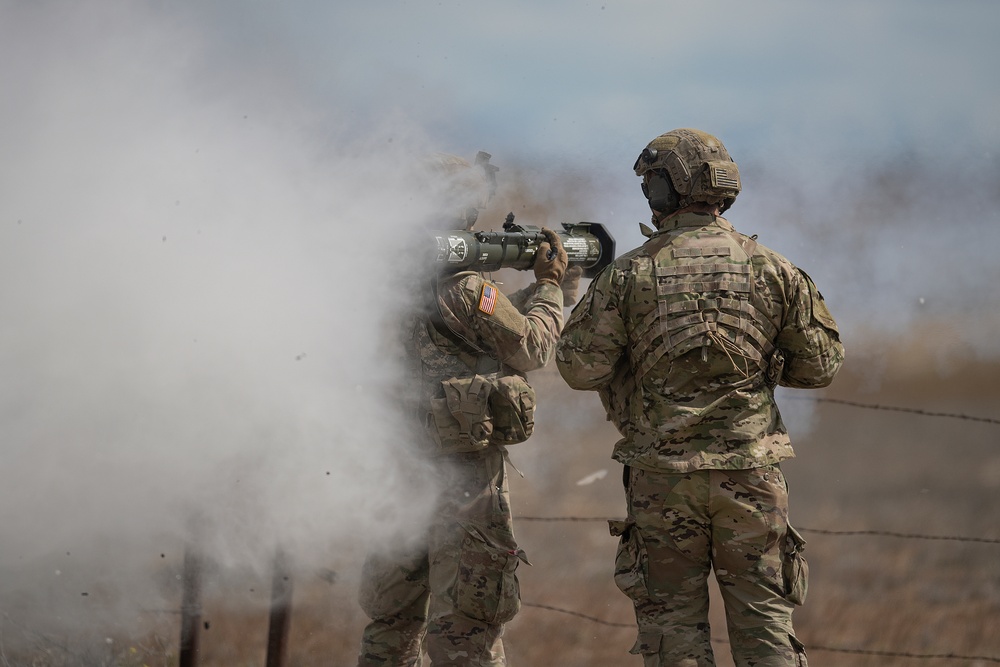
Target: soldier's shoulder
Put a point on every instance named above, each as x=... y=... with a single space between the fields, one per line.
x=461 y=281
x=626 y=261
x=775 y=259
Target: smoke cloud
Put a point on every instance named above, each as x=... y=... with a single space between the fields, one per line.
x=197 y=312
x=201 y=256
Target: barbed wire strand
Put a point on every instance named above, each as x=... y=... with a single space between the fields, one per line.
x=892 y=408
x=918 y=656
x=908 y=536
x=830 y=649
x=819 y=531
x=578 y=615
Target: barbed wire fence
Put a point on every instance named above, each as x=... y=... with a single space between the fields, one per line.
x=281 y=633
x=823 y=531
x=812 y=647
x=891 y=408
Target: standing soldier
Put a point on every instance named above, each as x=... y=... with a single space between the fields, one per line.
x=685 y=339
x=466 y=348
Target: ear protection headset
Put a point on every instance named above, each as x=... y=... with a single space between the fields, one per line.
x=660 y=192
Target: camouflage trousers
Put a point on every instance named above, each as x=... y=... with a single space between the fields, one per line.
x=451 y=594
x=682 y=525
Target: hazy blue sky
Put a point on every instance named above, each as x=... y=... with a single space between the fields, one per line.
x=822 y=105
x=596 y=79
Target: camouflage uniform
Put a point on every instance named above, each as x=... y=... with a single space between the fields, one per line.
x=685 y=338
x=454 y=591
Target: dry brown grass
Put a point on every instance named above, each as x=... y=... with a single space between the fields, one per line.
x=857 y=469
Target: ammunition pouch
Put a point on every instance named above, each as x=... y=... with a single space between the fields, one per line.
x=513 y=405
x=471 y=413
x=459 y=419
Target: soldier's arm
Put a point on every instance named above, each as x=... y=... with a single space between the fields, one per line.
x=521 y=297
x=524 y=340
x=594 y=338
x=809 y=338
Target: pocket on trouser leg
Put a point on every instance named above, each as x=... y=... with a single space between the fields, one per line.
x=486 y=587
x=800 y=651
x=657 y=651
x=630 y=560
x=794 y=568
x=389 y=588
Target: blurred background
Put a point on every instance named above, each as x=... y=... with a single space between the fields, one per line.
x=206 y=216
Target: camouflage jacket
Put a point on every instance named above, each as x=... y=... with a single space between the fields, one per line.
x=471 y=328
x=685 y=338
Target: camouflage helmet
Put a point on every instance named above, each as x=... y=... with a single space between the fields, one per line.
x=461 y=188
x=696 y=164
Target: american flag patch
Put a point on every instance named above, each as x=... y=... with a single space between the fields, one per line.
x=722 y=178
x=488 y=298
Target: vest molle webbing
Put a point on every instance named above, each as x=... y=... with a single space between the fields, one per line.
x=704 y=290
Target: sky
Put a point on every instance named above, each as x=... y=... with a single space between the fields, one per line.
x=205 y=209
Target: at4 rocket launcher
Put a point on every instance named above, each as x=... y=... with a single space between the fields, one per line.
x=588 y=245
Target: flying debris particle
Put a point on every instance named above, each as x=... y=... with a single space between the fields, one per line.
x=206 y=625
x=85 y=594
x=593 y=477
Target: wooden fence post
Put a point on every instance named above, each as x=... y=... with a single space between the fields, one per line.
x=191 y=607
x=281 y=611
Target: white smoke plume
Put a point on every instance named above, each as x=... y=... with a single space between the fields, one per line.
x=200 y=254
x=197 y=311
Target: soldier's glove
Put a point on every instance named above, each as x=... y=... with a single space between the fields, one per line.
x=571 y=284
x=550 y=260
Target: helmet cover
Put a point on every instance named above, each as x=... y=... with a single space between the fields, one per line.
x=461 y=187
x=697 y=165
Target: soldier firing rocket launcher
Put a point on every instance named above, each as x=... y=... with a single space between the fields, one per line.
x=588 y=245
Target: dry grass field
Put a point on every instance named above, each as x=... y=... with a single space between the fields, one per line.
x=874 y=599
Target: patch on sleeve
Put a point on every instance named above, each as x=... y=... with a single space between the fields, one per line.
x=488 y=299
